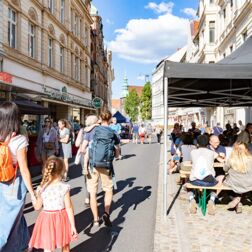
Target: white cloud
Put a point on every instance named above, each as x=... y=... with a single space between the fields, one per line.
x=150 y=40
x=141 y=77
x=163 y=7
x=110 y=22
x=190 y=12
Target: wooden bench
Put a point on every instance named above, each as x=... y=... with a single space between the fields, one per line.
x=202 y=193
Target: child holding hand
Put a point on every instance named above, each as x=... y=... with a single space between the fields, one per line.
x=55 y=225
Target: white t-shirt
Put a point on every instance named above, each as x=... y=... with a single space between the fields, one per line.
x=202 y=163
x=17 y=143
x=53 y=196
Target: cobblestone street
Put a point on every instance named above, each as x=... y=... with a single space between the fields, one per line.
x=182 y=231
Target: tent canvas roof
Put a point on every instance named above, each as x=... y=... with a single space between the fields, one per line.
x=227 y=83
x=120 y=118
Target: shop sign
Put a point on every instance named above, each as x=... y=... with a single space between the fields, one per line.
x=62 y=95
x=6 y=77
x=97 y=102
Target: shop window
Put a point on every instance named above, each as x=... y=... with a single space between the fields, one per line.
x=31 y=40
x=12 y=28
x=50 y=52
x=224 y=13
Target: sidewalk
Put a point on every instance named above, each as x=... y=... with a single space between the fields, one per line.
x=182 y=231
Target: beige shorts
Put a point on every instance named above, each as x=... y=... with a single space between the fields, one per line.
x=93 y=180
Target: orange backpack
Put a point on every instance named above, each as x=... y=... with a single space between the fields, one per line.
x=7 y=170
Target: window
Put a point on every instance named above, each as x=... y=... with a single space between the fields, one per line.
x=62 y=11
x=61 y=59
x=224 y=13
x=12 y=28
x=77 y=68
x=231 y=48
x=211 y=1
x=224 y=55
x=211 y=31
x=231 y=3
x=50 y=52
x=72 y=65
x=50 y=5
x=31 y=40
x=244 y=35
x=72 y=20
x=75 y=24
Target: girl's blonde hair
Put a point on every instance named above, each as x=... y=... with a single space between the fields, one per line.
x=65 y=123
x=54 y=166
x=240 y=158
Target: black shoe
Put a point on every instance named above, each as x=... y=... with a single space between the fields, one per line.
x=106 y=219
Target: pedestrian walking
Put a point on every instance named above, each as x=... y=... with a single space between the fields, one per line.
x=87 y=135
x=101 y=155
x=142 y=132
x=117 y=129
x=47 y=142
x=158 y=132
x=55 y=225
x=134 y=132
x=149 y=133
x=65 y=137
x=15 y=179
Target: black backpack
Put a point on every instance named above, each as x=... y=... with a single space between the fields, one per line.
x=102 y=150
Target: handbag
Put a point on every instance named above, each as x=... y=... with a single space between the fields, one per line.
x=49 y=146
x=78 y=157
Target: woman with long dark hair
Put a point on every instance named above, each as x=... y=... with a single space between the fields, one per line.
x=14 y=235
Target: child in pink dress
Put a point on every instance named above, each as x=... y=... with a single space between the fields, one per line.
x=55 y=226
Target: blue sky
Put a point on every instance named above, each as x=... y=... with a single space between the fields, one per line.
x=140 y=33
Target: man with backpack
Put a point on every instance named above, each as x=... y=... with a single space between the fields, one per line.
x=102 y=150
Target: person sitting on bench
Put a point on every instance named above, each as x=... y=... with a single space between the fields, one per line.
x=203 y=173
x=238 y=174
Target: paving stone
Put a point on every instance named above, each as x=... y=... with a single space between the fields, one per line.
x=182 y=231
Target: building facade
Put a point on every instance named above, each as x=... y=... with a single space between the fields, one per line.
x=99 y=64
x=46 y=49
x=224 y=25
x=111 y=77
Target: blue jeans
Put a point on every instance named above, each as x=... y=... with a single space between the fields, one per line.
x=14 y=234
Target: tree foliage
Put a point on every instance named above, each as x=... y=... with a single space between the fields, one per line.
x=131 y=105
x=146 y=104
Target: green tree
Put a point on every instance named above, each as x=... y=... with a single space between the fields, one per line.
x=131 y=105
x=146 y=102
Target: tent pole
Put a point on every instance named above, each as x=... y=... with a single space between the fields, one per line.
x=165 y=145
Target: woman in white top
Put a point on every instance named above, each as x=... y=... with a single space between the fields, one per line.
x=14 y=235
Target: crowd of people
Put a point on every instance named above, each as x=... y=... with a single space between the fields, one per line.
x=142 y=133
x=98 y=143
x=231 y=148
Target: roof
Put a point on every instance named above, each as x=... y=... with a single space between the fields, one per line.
x=138 y=89
x=227 y=83
x=116 y=103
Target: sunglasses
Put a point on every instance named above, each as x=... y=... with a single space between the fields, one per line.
x=47 y=121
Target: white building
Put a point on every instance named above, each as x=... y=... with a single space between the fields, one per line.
x=158 y=90
x=224 y=25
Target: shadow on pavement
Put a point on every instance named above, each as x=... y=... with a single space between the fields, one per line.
x=128 y=156
x=75 y=191
x=104 y=239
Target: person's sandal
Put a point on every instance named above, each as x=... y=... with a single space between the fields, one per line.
x=106 y=219
x=238 y=208
x=192 y=206
x=232 y=204
x=211 y=207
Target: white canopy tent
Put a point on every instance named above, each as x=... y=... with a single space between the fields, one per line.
x=227 y=84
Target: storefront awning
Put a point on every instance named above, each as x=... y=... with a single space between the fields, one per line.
x=27 y=107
